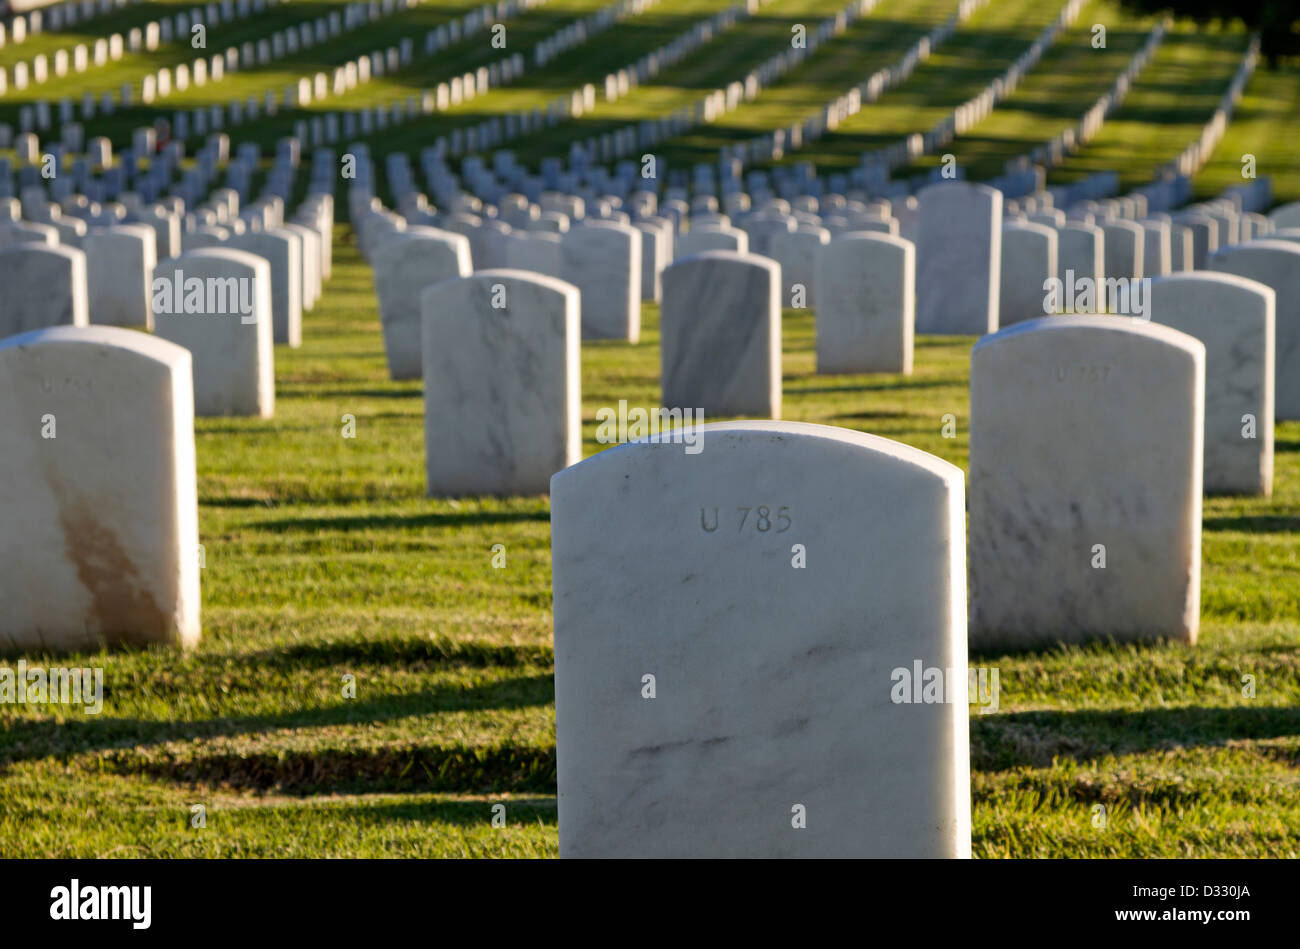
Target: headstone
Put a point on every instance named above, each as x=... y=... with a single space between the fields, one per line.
x=699 y=240
x=866 y=307
x=1123 y=245
x=779 y=726
x=100 y=538
x=216 y=302
x=1085 y=480
x=603 y=260
x=958 y=258
x=41 y=286
x=283 y=251
x=797 y=252
x=1234 y=318
x=720 y=328
x=488 y=431
x=404 y=265
x=120 y=262
x=1275 y=264
x=1081 y=253
x=1029 y=260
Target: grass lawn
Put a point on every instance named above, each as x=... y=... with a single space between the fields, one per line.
x=326 y=566
x=325 y=560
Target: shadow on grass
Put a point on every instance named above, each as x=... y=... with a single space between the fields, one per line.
x=1035 y=739
x=407 y=652
x=491 y=769
x=407 y=521
x=24 y=740
x=529 y=810
x=1254 y=523
x=901 y=385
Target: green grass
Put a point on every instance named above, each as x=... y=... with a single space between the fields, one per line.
x=324 y=559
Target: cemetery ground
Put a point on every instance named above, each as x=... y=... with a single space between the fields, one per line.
x=325 y=560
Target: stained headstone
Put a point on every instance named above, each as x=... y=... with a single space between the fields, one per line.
x=100 y=511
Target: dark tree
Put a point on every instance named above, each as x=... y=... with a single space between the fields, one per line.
x=1276 y=21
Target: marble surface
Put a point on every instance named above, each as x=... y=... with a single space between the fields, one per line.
x=282 y=250
x=1085 y=431
x=1157 y=248
x=1081 y=248
x=1029 y=260
x=797 y=252
x=309 y=258
x=1205 y=237
x=720 y=335
x=1287 y=215
x=603 y=260
x=537 y=251
x=656 y=254
x=958 y=258
x=1123 y=251
x=502 y=396
x=119 y=266
x=100 y=538
x=1275 y=264
x=404 y=265
x=42 y=286
x=866 y=304
x=233 y=353
x=1234 y=318
x=761 y=227
x=699 y=240
x=774 y=685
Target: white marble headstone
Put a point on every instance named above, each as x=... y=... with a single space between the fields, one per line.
x=1275 y=264
x=743 y=694
x=866 y=308
x=216 y=302
x=720 y=335
x=41 y=286
x=502 y=398
x=1234 y=318
x=100 y=510
x=1085 y=482
x=603 y=260
x=404 y=265
x=958 y=258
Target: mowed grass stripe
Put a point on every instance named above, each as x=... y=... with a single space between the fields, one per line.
x=1165 y=109
x=335 y=51
x=728 y=57
x=882 y=34
x=1264 y=125
x=136 y=15
x=958 y=70
x=839 y=63
x=1052 y=96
